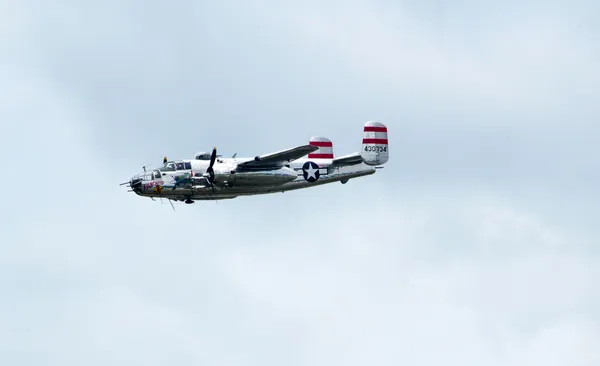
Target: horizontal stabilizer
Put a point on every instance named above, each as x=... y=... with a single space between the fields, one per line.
x=279 y=158
x=351 y=159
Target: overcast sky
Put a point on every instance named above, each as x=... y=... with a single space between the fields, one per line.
x=477 y=244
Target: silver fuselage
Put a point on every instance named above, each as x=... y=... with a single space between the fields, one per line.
x=230 y=183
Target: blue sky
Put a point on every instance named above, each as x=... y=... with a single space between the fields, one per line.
x=477 y=244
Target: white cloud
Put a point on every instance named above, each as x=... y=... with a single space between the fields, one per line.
x=412 y=265
x=378 y=292
x=518 y=57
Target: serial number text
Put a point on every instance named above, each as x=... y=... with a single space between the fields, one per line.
x=376 y=148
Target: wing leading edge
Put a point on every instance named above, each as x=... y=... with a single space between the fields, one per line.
x=279 y=158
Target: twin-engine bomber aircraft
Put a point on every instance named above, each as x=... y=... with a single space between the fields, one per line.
x=212 y=177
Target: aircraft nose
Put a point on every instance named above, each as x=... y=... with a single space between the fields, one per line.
x=135 y=183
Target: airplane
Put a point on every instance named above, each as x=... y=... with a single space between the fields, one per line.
x=213 y=177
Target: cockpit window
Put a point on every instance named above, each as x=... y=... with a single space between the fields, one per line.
x=168 y=167
x=179 y=166
x=156 y=175
x=187 y=165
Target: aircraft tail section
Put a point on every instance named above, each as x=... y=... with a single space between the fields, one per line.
x=325 y=150
x=375 y=144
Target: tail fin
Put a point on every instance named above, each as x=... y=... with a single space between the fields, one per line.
x=325 y=150
x=375 y=144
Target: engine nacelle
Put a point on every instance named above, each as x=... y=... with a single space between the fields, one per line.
x=202 y=156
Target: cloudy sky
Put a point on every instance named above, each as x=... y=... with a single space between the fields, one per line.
x=478 y=244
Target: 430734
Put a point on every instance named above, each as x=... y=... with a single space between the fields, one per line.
x=376 y=148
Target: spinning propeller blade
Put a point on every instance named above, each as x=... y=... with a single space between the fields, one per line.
x=210 y=171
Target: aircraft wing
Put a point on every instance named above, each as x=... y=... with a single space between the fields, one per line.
x=351 y=159
x=279 y=158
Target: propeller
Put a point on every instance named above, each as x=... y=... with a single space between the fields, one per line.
x=210 y=171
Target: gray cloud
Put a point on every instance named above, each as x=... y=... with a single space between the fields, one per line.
x=477 y=244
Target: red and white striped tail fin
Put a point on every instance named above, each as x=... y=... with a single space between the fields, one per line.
x=375 y=143
x=325 y=150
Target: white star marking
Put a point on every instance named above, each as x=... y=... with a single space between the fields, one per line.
x=311 y=172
